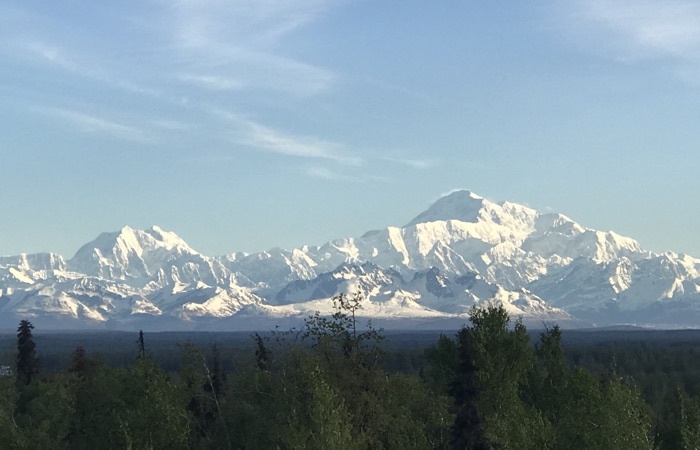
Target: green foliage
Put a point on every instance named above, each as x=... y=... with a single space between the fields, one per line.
x=100 y=408
x=312 y=411
x=43 y=413
x=202 y=389
x=92 y=406
x=602 y=413
x=690 y=423
x=443 y=360
x=381 y=414
x=154 y=415
x=468 y=428
x=549 y=379
x=10 y=435
x=532 y=399
x=586 y=411
x=333 y=394
x=505 y=360
x=337 y=393
x=341 y=332
x=669 y=421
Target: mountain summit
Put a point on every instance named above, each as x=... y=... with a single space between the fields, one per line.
x=463 y=251
x=460 y=205
x=129 y=253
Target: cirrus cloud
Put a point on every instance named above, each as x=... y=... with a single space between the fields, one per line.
x=636 y=30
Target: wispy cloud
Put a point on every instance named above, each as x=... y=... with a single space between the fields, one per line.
x=202 y=23
x=213 y=82
x=50 y=54
x=268 y=139
x=87 y=123
x=65 y=60
x=172 y=125
x=636 y=30
x=278 y=73
x=264 y=138
x=347 y=175
x=221 y=37
x=324 y=173
x=416 y=163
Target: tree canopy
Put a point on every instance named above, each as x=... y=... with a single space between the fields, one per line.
x=331 y=385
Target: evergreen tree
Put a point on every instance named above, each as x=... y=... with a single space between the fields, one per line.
x=27 y=362
x=92 y=393
x=262 y=354
x=142 y=345
x=689 y=423
x=81 y=365
x=468 y=428
x=672 y=419
x=548 y=384
x=505 y=360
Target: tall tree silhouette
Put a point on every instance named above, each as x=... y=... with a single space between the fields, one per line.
x=27 y=362
x=262 y=354
x=142 y=346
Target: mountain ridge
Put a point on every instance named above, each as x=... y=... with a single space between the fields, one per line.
x=463 y=251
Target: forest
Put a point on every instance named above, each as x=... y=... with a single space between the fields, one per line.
x=339 y=383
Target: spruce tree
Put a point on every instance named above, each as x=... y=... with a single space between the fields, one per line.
x=81 y=365
x=468 y=428
x=142 y=346
x=27 y=362
x=262 y=354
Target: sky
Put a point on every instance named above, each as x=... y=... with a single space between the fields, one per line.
x=248 y=125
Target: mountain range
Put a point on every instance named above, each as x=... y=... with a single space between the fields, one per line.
x=463 y=251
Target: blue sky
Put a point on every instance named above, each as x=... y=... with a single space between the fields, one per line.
x=245 y=125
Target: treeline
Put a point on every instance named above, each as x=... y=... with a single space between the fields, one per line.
x=330 y=385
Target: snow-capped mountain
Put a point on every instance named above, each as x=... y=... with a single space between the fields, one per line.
x=270 y=271
x=153 y=258
x=508 y=244
x=626 y=290
x=461 y=252
x=22 y=270
x=428 y=292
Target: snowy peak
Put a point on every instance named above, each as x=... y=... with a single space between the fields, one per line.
x=545 y=235
x=130 y=240
x=460 y=205
x=131 y=254
x=486 y=218
x=26 y=269
x=34 y=262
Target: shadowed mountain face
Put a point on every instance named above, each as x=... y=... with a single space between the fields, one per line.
x=461 y=252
